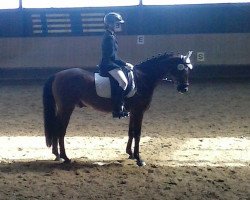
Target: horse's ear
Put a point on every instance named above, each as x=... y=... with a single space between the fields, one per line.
x=189 y=54
x=187 y=59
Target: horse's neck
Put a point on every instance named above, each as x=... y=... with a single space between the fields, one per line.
x=151 y=72
x=146 y=81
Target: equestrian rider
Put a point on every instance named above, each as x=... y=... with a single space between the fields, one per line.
x=112 y=65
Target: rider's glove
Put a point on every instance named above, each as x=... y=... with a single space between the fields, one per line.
x=129 y=66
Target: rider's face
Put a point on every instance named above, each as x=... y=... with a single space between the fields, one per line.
x=114 y=27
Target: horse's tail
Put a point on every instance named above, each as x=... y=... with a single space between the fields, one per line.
x=49 y=111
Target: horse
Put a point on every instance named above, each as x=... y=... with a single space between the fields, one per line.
x=73 y=87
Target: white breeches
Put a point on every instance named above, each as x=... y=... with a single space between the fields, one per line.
x=118 y=75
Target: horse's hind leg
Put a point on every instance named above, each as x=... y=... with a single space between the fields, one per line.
x=62 y=149
x=55 y=148
x=63 y=121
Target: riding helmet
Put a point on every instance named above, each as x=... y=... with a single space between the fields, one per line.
x=111 y=18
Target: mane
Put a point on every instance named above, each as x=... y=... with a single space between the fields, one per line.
x=154 y=60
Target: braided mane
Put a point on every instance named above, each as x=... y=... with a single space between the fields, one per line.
x=154 y=60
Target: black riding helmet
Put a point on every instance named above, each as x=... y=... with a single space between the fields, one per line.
x=112 y=18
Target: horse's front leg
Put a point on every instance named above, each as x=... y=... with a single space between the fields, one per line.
x=130 y=138
x=135 y=130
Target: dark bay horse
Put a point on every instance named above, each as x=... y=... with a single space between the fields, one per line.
x=69 y=88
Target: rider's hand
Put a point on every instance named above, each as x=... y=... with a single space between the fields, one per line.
x=129 y=66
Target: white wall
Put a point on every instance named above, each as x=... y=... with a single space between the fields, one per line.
x=219 y=49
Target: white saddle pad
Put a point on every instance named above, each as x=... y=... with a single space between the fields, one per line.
x=103 y=87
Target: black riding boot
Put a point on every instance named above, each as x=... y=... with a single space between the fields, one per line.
x=118 y=104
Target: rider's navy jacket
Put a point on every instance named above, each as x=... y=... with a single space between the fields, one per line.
x=110 y=59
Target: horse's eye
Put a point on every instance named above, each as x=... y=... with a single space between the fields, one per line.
x=180 y=67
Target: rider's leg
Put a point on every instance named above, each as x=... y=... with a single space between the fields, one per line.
x=118 y=93
x=120 y=77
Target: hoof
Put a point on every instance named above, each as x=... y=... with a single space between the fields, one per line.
x=67 y=161
x=58 y=158
x=140 y=163
x=131 y=157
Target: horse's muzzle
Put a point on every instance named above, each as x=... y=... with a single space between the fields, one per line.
x=182 y=88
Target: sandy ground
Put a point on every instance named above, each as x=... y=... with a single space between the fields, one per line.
x=196 y=146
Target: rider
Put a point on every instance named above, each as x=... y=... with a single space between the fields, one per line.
x=112 y=65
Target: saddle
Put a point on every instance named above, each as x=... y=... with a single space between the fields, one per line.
x=103 y=83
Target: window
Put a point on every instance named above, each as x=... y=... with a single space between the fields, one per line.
x=76 y=3
x=10 y=4
x=172 y=2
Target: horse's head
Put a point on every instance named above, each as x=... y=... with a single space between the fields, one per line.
x=165 y=65
x=179 y=71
